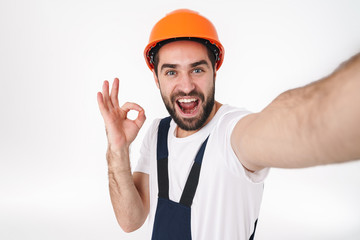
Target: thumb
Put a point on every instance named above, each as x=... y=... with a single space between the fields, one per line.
x=139 y=121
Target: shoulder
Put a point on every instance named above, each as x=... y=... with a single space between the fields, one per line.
x=154 y=126
x=221 y=139
x=151 y=133
x=225 y=122
x=229 y=116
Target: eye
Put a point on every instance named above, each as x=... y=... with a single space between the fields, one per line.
x=170 y=73
x=197 y=70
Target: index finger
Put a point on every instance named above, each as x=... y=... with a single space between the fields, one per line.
x=131 y=106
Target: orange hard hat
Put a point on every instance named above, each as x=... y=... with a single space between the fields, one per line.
x=184 y=24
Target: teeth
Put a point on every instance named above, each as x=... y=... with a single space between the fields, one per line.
x=187 y=100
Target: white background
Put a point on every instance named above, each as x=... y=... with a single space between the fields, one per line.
x=54 y=56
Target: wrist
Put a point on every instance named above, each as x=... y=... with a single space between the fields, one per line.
x=117 y=171
x=118 y=160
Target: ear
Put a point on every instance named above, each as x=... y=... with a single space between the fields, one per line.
x=156 y=79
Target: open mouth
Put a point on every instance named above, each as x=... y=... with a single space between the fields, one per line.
x=188 y=106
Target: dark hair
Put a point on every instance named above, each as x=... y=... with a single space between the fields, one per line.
x=212 y=50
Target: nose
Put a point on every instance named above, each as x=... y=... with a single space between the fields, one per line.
x=186 y=83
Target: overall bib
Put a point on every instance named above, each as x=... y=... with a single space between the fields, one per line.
x=172 y=219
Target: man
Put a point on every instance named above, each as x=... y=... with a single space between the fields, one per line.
x=201 y=172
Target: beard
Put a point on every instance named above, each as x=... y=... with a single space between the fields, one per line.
x=195 y=123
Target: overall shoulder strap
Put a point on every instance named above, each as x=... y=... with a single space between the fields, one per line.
x=162 y=158
x=193 y=179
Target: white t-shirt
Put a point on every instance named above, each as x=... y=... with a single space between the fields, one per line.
x=227 y=200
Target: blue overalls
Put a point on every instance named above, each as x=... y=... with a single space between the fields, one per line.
x=172 y=219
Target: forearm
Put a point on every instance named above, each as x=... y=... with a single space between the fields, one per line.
x=128 y=206
x=313 y=125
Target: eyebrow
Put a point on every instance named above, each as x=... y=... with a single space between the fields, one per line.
x=201 y=62
x=168 y=65
x=195 y=64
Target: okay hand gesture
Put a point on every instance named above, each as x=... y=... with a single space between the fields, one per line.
x=120 y=130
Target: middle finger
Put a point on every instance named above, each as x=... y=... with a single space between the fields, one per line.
x=115 y=92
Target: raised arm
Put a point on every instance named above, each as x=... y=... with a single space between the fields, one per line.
x=129 y=193
x=312 y=125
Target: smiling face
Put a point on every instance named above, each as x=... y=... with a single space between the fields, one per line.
x=186 y=80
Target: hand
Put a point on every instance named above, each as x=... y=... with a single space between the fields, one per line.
x=120 y=130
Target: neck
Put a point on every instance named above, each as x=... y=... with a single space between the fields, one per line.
x=180 y=133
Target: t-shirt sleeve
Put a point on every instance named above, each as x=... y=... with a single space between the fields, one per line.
x=227 y=126
x=146 y=150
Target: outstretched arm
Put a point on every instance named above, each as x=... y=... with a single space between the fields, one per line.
x=129 y=193
x=312 y=125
